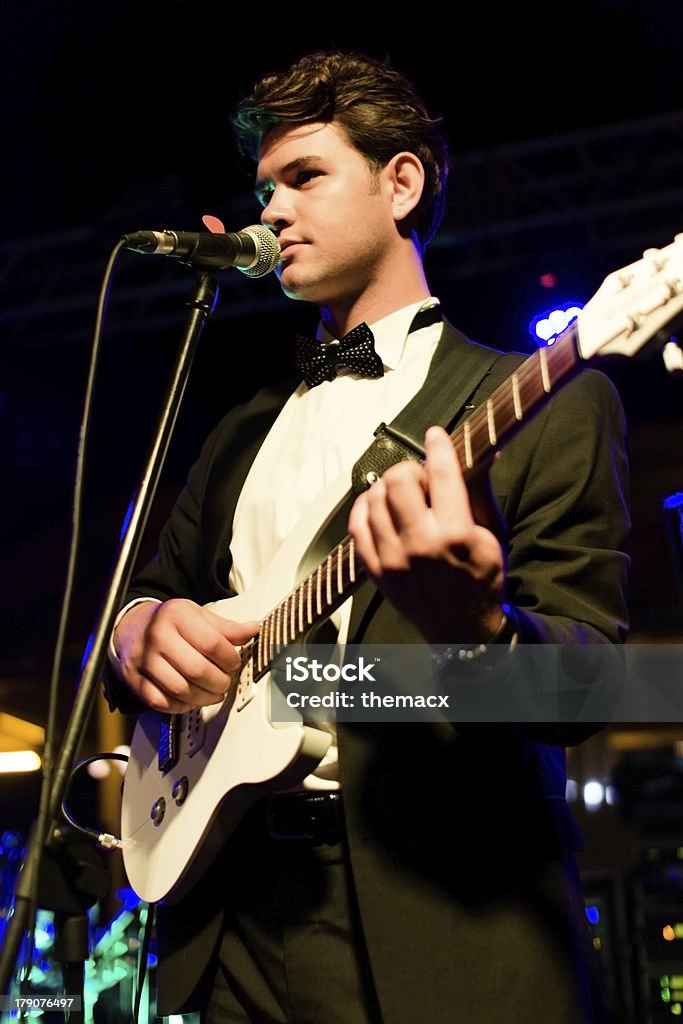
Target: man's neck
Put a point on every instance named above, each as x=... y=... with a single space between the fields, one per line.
x=399 y=282
x=342 y=317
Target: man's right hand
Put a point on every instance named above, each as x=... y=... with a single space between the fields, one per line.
x=177 y=655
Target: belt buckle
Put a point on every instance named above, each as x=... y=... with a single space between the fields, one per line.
x=318 y=832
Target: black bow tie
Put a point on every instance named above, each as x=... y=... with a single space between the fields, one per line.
x=355 y=351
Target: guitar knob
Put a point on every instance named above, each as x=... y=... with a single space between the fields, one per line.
x=158 y=811
x=180 y=790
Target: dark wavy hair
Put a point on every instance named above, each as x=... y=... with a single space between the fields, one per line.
x=376 y=106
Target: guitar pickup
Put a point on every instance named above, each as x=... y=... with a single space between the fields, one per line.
x=168 y=743
x=194 y=731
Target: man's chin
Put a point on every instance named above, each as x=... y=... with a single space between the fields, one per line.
x=295 y=288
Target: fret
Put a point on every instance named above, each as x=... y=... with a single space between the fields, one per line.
x=318 y=590
x=309 y=600
x=283 y=621
x=491 y=422
x=270 y=640
x=261 y=644
x=459 y=448
x=292 y=616
x=328 y=580
x=265 y=646
x=278 y=621
x=515 y=397
x=481 y=442
x=352 y=560
x=468 y=444
x=545 y=376
x=300 y=591
x=340 y=569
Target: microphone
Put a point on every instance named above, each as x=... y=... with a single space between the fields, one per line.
x=255 y=250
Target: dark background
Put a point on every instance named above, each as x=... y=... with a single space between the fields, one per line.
x=566 y=127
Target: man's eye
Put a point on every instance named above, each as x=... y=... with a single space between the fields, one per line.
x=303 y=177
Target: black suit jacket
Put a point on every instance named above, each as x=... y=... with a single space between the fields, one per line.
x=431 y=810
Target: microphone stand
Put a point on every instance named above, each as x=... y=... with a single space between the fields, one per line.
x=201 y=305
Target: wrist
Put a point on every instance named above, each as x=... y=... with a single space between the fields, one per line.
x=119 y=626
x=485 y=654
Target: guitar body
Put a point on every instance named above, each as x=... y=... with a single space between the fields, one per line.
x=174 y=822
x=179 y=808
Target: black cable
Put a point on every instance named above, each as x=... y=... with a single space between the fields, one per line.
x=42 y=819
x=103 y=839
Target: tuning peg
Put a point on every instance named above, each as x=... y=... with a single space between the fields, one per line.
x=673 y=356
x=655 y=257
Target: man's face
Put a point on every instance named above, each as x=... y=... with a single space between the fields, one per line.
x=332 y=215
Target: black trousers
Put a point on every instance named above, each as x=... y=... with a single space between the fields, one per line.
x=292 y=949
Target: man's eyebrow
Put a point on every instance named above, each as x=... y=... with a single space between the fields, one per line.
x=262 y=184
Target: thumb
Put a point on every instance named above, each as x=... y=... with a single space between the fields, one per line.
x=235 y=632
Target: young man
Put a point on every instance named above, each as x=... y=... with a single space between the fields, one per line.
x=423 y=872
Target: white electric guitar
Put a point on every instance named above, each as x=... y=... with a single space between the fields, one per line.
x=192 y=777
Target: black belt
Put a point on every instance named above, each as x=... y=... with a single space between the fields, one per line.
x=315 y=818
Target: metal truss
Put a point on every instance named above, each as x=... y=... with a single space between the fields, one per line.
x=608 y=191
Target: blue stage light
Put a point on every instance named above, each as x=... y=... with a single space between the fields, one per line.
x=546 y=326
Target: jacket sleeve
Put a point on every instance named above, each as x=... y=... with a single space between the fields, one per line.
x=564 y=496
x=174 y=571
x=192 y=558
x=562 y=486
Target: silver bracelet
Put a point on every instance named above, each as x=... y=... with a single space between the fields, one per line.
x=467 y=655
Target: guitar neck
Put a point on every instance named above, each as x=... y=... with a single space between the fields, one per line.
x=497 y=420
x=476 y=441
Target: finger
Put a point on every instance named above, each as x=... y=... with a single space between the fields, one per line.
x=404 y=508
x=400 y=516
x=185 y=654
x=235 y=632
x=449 y=497
x=160 y=685
x=164 y=703
x=203 y=633
x=363 y=538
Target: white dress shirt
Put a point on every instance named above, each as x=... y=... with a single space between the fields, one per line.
x=315 y=441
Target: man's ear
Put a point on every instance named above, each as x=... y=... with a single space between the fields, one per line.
x=405 y=178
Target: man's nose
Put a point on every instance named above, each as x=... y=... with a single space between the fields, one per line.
x=278 y=211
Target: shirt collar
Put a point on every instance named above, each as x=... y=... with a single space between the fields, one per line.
x=391 y=332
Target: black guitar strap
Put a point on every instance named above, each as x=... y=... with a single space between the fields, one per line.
x=456 y=371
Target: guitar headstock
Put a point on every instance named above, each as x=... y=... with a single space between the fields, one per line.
x=635 y=305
